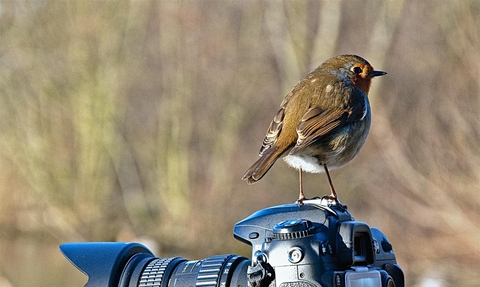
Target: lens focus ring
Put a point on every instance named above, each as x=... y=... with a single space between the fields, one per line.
x=153 y=274
x=211 y=269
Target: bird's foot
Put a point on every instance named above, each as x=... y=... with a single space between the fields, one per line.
x=330 y=200
x=300 y=201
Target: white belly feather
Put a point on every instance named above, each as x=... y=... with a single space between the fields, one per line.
x=306 y=163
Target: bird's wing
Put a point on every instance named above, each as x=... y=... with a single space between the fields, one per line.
x=316 y=123
x=276 y=125
x=273 y=131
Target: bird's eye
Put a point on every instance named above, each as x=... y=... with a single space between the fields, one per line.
x=357 y=70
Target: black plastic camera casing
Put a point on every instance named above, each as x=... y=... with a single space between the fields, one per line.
x=316 y=244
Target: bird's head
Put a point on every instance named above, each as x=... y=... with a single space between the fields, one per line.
x=355 y=69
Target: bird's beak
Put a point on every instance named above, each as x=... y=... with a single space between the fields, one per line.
x=378 y=73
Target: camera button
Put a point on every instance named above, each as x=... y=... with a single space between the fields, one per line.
x=253 y=235
x=295 y=255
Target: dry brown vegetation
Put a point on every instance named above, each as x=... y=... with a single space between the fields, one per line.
x=126 y=120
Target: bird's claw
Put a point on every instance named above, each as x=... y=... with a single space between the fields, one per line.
x=330 y=200
x=300 y=201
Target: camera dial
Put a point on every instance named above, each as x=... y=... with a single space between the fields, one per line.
x=292 y=229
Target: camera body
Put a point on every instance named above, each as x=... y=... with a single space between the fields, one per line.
x=316 y=244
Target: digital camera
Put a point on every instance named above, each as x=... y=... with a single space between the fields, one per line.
x=315 y=244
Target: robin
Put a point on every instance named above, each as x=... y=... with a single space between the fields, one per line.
x=322 y=123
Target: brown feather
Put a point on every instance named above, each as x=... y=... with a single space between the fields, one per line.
x=262 y=165
x=273 y=131
x=317 y=123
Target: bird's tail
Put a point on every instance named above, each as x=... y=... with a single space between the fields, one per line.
x=262 y=165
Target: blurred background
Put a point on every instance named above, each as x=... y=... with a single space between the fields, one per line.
x=135 y=121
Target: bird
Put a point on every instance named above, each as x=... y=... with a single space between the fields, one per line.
x=322 y=123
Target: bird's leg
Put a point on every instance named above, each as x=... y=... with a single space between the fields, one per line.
x=301 y=196
x=333 y=194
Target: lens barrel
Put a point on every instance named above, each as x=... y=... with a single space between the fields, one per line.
x=215 y=271
x=133 y=265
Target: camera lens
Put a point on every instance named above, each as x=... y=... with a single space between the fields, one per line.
x=133 y=265
x=215 y=271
